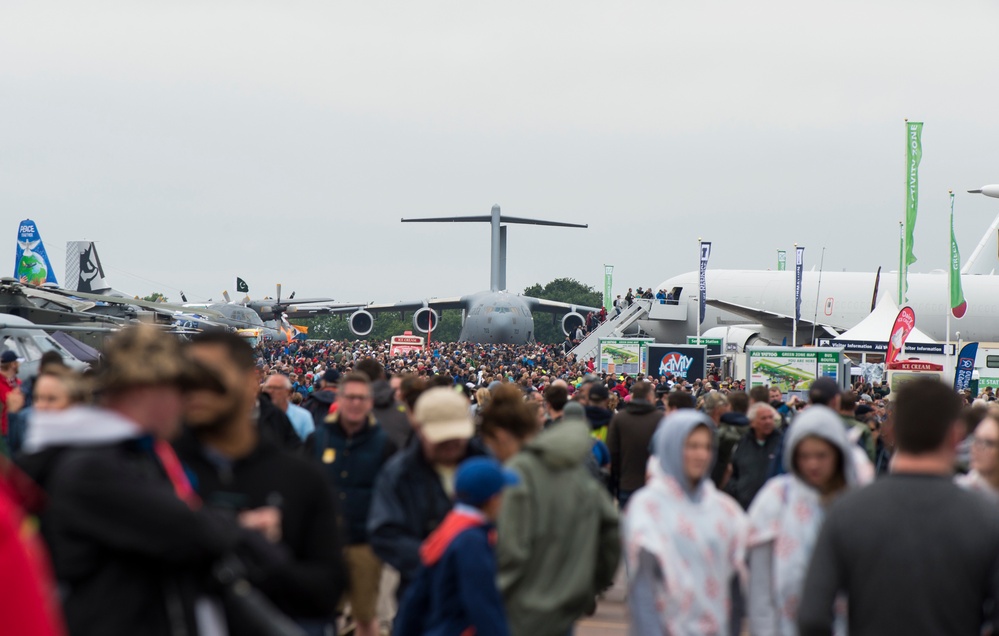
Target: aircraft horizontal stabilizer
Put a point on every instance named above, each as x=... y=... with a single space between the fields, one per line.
x=488 y=219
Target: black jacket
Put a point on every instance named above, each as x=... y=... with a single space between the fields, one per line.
x=597 y=416
x=274 y=425
x=124 y=547
x=409 y=503
x=391 y=415
x=628 y=439
x=319 y=403
x=750 y=465
x=351 y=464
x=310 y=583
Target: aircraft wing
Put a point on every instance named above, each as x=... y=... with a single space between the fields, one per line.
x=311 y=311
x=136 y=302
x=166 y=308
x=769 y=319
x=556 y=307
x=59 y=299
x=439 y=304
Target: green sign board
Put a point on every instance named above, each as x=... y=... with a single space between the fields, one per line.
x=984 y=382
x=624 y=355
x=714 y=345
x=792 y=368
x=692 y=340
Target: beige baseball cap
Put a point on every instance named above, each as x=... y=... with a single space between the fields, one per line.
x=442 y=414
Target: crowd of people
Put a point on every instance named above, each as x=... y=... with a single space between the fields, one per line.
x=208 y=488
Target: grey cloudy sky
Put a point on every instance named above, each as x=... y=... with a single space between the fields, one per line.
x=284 y=141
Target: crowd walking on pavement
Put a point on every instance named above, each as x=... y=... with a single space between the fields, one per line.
x=209 y=488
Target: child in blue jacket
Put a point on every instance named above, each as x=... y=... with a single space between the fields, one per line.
x=455 y=592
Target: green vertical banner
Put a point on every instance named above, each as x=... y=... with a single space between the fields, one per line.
x=781 y=260
x=913 y=155
x=608 y=287
x=958 y=305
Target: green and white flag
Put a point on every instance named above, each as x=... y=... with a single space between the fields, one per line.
x=781 y=260
x=913 y=155
x=958 y=305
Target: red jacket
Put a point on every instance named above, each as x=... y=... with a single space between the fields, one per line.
x=28 y=601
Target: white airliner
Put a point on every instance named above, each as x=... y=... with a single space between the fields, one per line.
x=757 y=306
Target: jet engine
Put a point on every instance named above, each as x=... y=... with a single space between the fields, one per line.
x=571 y=321
x=361 y=322
x=741 y=336
x=425 y=319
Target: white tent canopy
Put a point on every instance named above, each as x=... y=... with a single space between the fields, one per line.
x=876 y=328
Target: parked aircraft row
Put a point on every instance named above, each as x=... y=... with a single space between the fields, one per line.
x=750 y=305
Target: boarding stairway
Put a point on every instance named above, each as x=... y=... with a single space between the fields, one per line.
x=612 y=328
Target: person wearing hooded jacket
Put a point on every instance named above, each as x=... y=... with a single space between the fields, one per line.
x=788 y=512
x=628 y=438
x=684 y=540
x=559 y=541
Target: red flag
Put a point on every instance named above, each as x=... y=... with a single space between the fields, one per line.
x=905 y=322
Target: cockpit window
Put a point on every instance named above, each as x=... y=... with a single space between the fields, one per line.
x=30 y=350
x=48 y=344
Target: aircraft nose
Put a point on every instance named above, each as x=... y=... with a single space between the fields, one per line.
x=502 y=329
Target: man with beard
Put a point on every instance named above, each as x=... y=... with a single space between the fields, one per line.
x=283 y=496
x=130 y=541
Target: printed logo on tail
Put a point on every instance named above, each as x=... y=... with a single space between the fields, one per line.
x=31 y=265
x=83 y=268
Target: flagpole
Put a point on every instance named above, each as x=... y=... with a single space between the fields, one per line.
x=901 y=260
x=903 y=270
x=699 y=292
x=818 y=290
x=794 y=328
x=950 y=285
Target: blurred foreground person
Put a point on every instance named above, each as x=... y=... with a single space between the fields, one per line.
x=132 y=550
x=455 y=592
x=56 y=388
x=913 y=553
x=242 y=474
x=29 y=603
x=415 y=489
x=786 y=516
x=984 y=475
x=559 y=543
x=685 y=540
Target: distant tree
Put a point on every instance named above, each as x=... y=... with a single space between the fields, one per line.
x=155 y=297
x=566 y=290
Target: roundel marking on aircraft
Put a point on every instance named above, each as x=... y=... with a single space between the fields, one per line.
x=829 y=306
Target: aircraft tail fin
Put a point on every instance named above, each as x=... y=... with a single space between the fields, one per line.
x=32 y=264
x=84 y=272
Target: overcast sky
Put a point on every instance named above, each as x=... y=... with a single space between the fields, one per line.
x=283 y=141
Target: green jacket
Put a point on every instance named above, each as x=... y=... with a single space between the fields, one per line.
x=863 y=432
x=559 y=540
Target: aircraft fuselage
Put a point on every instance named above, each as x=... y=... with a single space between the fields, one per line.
x=497 y=318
